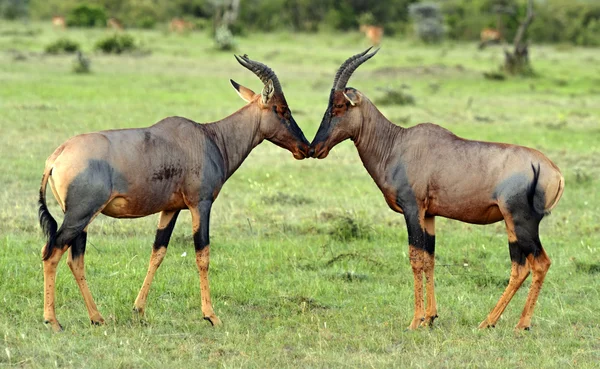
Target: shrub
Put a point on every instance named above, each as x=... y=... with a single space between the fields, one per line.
x=350 y=226
x=63 y=45
x=87 y=16
x=224 y=39
x=395 y=97
x=428 y=21
x=116 y=44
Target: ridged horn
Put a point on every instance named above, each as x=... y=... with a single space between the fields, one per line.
x=261 y=70
x=349 y=66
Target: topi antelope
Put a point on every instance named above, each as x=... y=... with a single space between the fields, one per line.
x=173 y=165
x=426 y=171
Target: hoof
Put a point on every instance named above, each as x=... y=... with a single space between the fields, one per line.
x=214 y=321
x=428 y=322
x=55 y=325
x=485 y=324
x=416 y=323
x=138 y=312
x=97 y=321
x=523 y=328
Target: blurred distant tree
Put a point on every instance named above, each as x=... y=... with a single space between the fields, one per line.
x=517 y=62
x=428 y=21
x=226 y=13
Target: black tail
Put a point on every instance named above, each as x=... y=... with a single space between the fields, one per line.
x=47 y=222
x=531 y=193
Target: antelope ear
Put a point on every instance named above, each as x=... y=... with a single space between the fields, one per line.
x=245 y=93
x=352 y=96
x=267 y=92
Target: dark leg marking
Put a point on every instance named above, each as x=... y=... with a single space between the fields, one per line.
x=78 y=246
x=429 y=243
x=201 y=236
x=164 y=235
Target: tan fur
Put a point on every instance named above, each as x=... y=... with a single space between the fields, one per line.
x=114 y=24
x=490 y=34
x=59 y=22
x=373 y=33
x=179 y=25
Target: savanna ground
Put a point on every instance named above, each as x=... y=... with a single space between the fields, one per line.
x=309 y=267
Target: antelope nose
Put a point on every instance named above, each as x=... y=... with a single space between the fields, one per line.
x=311 y=152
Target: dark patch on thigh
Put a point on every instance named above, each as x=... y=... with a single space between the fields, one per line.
x=86 y=195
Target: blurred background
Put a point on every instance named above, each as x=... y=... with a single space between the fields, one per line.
x=557 y=21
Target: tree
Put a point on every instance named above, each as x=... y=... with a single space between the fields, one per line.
x=517 y=62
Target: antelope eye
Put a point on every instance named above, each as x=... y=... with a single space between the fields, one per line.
x=338 y=106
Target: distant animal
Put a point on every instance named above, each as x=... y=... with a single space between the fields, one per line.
x=426 y=171
x=489 y=36
x=180 y=25
x=373 y=33
x=114 y=24
x=59 y=21
x=174 y=165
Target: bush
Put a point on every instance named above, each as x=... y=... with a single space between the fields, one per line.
x=428 y=21
x=224 y=39
x=395 y=97
x=557 y=21
x=576 y=22
x=87 y=16
x=62 y=46
x=116 y=44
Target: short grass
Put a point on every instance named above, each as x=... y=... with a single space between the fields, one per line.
x=309 y=267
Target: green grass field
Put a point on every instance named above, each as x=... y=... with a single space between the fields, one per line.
x=309 y=267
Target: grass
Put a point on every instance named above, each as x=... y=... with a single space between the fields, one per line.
x=309 y=267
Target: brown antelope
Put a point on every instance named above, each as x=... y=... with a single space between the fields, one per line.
x=426 y=171
x=173 y=165
x=114 y=24
x=180 y=25
x=373 y=33
x=489 y=36
x=58 y=21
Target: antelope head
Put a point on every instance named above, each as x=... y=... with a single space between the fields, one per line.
x=343 y=117
x=276 y=122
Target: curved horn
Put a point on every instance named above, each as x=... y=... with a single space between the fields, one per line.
x=346 y=63
x=262 y=71
x=350 y=68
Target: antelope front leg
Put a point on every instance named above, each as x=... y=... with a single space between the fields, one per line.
x=200 y=223
x=50 y=287
x=416 y=255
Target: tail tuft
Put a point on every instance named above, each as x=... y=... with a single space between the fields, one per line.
x=48 y=225
x=531 y=193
